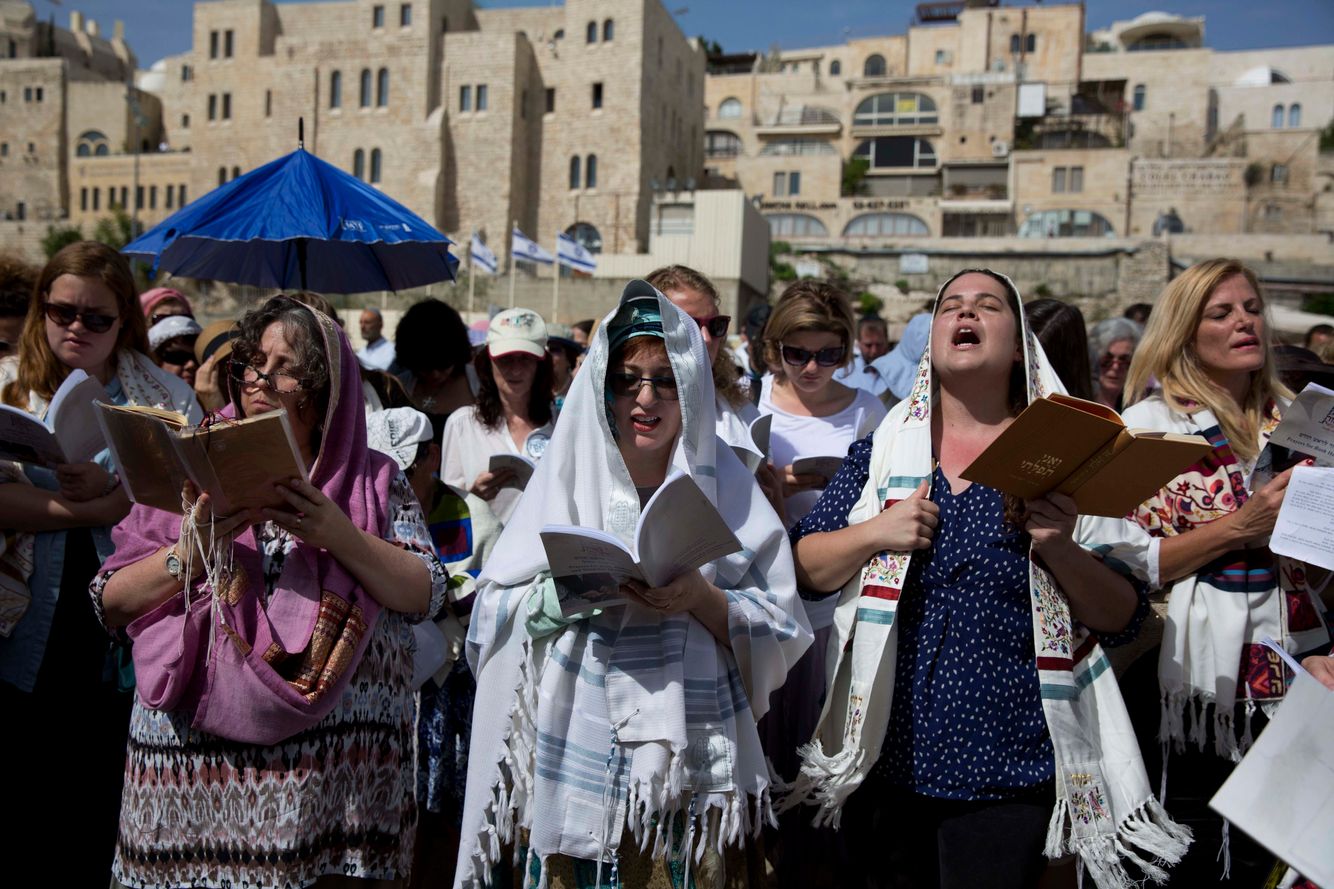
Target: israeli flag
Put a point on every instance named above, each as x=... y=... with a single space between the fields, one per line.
x=524 y=248
x=482 y=257
x=571 y=253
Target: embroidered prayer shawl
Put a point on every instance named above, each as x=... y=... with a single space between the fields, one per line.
x=1212 y=651
x=543 y=759
x=1104 y=809
x=261 y=671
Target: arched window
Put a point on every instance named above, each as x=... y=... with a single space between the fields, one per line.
x=721 y=143
x=222 y=175
x=1016 y=44
x=92 y=142
x=574 y=171
x=608 y=30
x=586 y=236
x=336 y=89
x=236 y=172
x=1276 y=118
x=729 y=109
x=1066 y=224
x=895 y=109
x=382 y=88
x=1294 y=115
x=375 y=165
x=591 y=33
x=835 y=68
x=101 y=150
x=365 y=87
x=874 y=66
x=1137 y=101
x=870 y=225
x=796 y=225
x=591 y=171
x=83 y=150
x=1031 y=43
x=359 y=164
x=890 y=152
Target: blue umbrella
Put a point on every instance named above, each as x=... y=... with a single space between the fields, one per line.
x=299 y=222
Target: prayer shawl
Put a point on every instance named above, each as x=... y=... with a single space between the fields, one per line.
x=257 y=670
x=1212 y=650
x=616 y=724
x=1104 y=809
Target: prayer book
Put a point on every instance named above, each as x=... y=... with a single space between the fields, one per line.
x=1082 y=449
x=679 y=530
x=70 y=433
x=237 y=462
x=755 y=455
x=825 y=466
x=521 y=466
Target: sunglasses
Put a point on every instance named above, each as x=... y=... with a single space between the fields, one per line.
x=179 y=357
x=716 y=325
x=627 y=385
x=1118 y=360
x=824 y=357
x=94 y=322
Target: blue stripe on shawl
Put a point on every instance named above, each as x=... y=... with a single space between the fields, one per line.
x=702 y=469
x=1053 y=691
x=875 y=616
x=1085 y=678
x=575 y=667
x=899 y=481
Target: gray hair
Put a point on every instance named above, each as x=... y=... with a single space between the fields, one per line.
x=1106 y=332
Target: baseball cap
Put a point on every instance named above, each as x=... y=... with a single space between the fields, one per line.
x=517 y=330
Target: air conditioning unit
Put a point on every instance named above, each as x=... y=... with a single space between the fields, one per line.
x=1000 y=149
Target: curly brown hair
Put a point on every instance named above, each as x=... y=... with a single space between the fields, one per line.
x=17 y=280
x=489 y=409
x=302 y=332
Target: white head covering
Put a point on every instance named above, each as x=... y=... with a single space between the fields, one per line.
x=171 y=327
x=673 y=709
x=397 y=432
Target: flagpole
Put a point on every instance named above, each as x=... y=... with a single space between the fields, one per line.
x=472 y=278
x=512 y=228
x=555 y=284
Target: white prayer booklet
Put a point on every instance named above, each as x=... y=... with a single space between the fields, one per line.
x=753 y=457
x=1305 y=526
x=1308 y=425
x=521 y=466
x=1282 y=792
x=679 y=530
x=70 y=433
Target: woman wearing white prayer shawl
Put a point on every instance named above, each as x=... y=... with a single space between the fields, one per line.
x=624 y=743
x=985 y=716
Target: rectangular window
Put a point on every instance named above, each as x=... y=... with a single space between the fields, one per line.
x=27 y=94
x=794 y=183
x=21 y=211
x=481 y=97
x=268 y=103
x=405 y=15
x=227 y=44
x=180 y=194
x=138 y=198
x=942 y=57
x=1278 y=174
x=226 y=106
x=551 y=100
x=83 y=199
x=212 y=106
x=212 y=44
x=186 y=73
x=4 y=149
x=170 y=195
x=377 y=16
x=979 y=93
x=780 y=185
x=1058 y=180
x=152 y=197
x=38 y=93
x=97 y=198
x=465 y=98
x=1076 y=178
x=597 y=95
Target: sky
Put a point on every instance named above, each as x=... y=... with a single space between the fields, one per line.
x=157 y=28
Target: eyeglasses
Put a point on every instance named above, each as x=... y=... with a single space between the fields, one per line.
x=627 y=385
x=824 y=357
x=179 y=357
x=279 y=381
x=1118 y=360
x=716 y=325
x=94 y=322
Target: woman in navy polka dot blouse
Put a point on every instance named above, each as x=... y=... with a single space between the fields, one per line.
x=963 y=789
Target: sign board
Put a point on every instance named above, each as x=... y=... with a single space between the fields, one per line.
x=809 y=268
x=913 y=264
x=1032 y=99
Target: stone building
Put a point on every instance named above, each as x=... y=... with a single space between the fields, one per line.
x=987 y=121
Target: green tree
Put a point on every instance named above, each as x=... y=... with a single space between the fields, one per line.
x=56 y=238
x=116 y=230
x=854 y=176
x=869 y=305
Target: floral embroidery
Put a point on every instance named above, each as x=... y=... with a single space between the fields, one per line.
x=1053 y=616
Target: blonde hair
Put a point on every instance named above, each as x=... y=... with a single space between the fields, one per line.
x=1167 y=353
x=726 y=374
x=808 y=306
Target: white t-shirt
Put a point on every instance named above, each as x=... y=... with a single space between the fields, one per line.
x=466 y=447
x=794 y=436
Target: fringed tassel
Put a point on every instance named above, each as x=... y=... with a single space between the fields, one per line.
x=1225 y=850
x=1148 y=837
x=1171 y=725
x=1057 y=845
x=1225 y=734
x=1247 y=737
x=827 y=781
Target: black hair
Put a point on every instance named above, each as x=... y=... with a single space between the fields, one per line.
x=1059 y=327
x=431 y=336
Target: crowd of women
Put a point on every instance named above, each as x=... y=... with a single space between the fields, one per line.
x=899 y=679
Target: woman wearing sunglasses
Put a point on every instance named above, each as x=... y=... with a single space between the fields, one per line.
x=84 y=315
x=622 y=744
x=1112 y=344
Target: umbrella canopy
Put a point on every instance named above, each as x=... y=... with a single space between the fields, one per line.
x=299 y=222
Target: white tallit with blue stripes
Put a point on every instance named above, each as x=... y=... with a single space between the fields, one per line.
x=601 y=732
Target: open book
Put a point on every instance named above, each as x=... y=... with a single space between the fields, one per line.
x=1082 y=449
x=237 y=462
x=521 y=466
x=752 y=457
x=679 y=530
x=70 y=433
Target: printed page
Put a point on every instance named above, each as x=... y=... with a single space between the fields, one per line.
x=25 y=439
x=144 y=449
x=1282 y=793
x=1308 y=425
x=73 y=418
x=522 y=468
x=587 y=565
x=1305 y=526
x=244 y=460
x=680 y=530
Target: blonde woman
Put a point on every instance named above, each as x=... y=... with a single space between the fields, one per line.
x=1209 y=348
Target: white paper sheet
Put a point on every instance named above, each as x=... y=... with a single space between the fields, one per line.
x=1308 y=425
x=1305 y=526
x=1282 y=793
